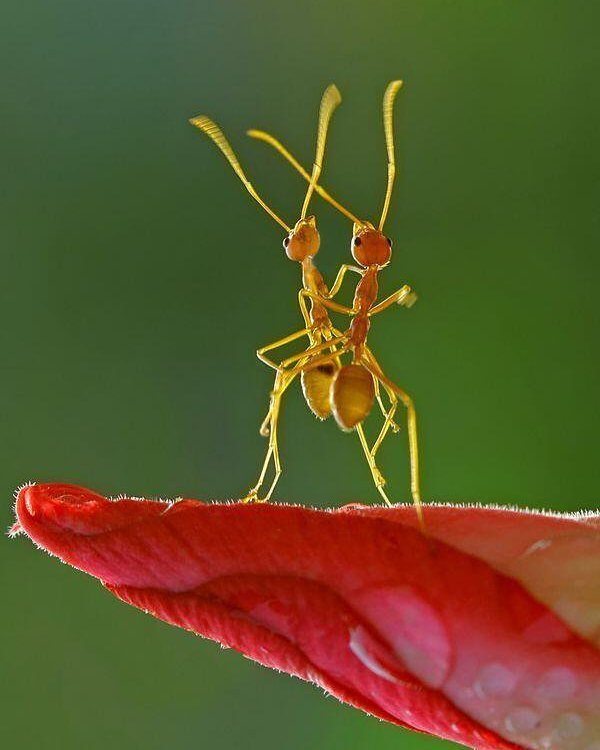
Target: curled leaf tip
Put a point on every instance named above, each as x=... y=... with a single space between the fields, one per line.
x=489 y=636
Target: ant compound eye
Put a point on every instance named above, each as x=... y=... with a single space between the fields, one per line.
x=286 y=241
x=389 y=241
x=357 y=241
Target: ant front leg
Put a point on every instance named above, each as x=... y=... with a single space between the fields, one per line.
x=260 y=353
x=335 y=288
x=326 y=302
x=310 y=353
x=305 y=312
x=404 y=296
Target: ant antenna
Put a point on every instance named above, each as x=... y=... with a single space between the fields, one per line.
x=212 y=130
x=261 y=135
x=330 y=101
x=388 y=108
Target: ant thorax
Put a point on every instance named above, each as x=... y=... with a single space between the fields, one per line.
x=312 y=281
x=367 y=290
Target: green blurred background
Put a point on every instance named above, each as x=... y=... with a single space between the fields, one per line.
x=138 y=278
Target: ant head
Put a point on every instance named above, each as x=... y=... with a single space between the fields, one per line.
x=303 y=241
x=370 y=247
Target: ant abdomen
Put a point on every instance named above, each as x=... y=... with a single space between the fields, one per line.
x=352 y=395
x=316 y=387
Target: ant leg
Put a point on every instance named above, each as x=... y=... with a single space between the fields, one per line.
x=413 y=445
x=260 y=353
x=252 y=496
x=388 y=422
x=264 y=427
x=283 y=381
x=303 y=357
x=313 y=361
x=326 y=302
x=403 y=296
x=388 y=414
x=306 y=364
x=273 y=449
x=378 y=477
x=343 y=270
x=328 y=335
x=273 y=438
x=305 y=314
x=312 y=350
x=282 y=384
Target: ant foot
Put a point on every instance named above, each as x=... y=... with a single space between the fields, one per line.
x=408 y=299
x=264 y=431
x=252 y=497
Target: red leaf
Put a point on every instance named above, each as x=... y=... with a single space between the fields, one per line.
x=486 y=634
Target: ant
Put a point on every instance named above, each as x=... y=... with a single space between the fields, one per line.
x=347 y=391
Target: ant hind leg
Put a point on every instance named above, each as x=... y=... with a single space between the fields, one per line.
x=388 y=414
x=378 y=477
x=411 y=421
